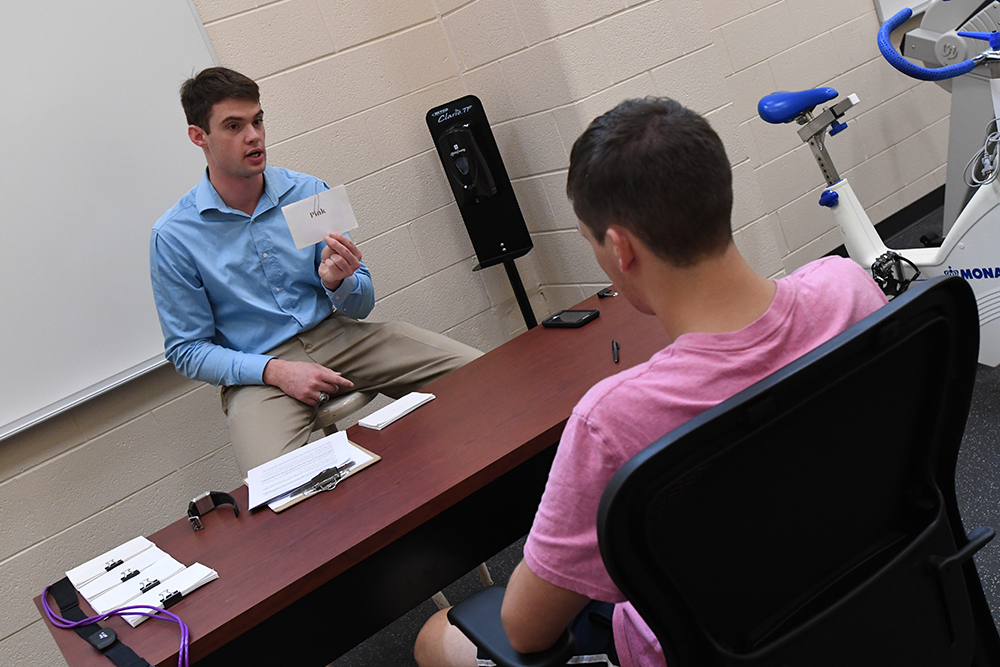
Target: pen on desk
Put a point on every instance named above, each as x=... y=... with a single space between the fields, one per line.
x=614 y=350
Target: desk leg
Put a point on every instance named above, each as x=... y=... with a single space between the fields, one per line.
x=317 y=629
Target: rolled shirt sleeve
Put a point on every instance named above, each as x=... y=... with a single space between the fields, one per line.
x=355 y=297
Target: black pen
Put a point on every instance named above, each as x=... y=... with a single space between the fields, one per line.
x=614 y=350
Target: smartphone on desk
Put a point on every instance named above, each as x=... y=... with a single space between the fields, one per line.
x=570 y=318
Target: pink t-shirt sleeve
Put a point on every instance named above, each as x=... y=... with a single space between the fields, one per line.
x=562 y=545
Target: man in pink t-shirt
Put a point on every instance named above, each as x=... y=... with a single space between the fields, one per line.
x=652 y=188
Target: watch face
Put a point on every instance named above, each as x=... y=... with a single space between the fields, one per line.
x=204 y=503
x=207 y=502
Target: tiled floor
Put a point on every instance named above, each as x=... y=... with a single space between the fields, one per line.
x=978 y=485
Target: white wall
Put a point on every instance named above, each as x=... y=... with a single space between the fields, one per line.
x=345 y=86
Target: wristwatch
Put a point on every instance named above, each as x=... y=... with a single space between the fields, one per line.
x=205 y=503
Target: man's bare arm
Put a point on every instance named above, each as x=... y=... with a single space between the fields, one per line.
x=535 y=612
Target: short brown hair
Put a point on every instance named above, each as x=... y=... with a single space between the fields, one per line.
x=659 y=170
x=210 y=86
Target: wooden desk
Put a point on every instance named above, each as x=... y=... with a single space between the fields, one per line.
x=459 y=480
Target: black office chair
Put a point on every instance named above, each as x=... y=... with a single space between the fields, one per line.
x=811 y=519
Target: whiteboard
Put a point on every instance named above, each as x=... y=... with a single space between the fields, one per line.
x=95 y=149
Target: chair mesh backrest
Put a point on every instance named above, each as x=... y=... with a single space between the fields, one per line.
x=733 y=533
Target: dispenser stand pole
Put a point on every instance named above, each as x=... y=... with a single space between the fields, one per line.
x=522 y=296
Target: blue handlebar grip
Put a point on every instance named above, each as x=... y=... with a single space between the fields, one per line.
x=904 y=65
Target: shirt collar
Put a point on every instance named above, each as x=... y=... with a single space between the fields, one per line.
x=276 y=184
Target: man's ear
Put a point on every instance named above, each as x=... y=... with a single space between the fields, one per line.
x=197 y=136
x=624 y=248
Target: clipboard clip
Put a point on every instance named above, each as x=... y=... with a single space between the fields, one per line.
x=326 y=480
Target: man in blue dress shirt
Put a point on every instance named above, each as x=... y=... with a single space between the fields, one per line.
x=278 y=328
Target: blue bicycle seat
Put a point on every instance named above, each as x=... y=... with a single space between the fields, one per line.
x=782 y=107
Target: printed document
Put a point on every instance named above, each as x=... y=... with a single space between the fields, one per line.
x=279 y=477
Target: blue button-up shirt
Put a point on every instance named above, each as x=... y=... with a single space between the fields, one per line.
x=230 y=286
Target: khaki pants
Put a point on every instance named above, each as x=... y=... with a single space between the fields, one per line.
x=392 y=358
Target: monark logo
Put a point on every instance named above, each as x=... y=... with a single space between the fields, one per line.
x=974 y=274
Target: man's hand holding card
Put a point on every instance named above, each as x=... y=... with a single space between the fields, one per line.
x=311 y=219
x=340 y=259
x=326 y=216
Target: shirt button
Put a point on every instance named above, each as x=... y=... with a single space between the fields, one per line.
x=264 y=255
x=277 y=289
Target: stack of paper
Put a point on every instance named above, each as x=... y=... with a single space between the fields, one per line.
x=127 y=591
x=95 y=567
x=379 y=419
x=130 y=569
x=137 y=572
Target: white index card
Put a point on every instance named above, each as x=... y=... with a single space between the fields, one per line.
x=312 y=218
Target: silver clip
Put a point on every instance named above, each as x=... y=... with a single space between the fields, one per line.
x=148 y=584
x=324 y=481
x=164 y=594
x=168 y=598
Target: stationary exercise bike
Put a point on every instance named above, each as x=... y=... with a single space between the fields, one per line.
x=936 y=43
x=971 y=248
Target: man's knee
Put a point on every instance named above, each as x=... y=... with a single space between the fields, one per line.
x=448 y=350
x=264 y=423
x=441 y=644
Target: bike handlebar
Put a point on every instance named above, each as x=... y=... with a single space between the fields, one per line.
x=908 y=68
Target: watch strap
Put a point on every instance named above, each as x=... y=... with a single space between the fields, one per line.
x=206 y=502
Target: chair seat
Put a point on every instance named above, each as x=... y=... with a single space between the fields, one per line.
x=340 y=406
x=478 y=617
x=782 y=107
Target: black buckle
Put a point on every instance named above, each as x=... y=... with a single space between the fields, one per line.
x=205 y=503
x=103 y=639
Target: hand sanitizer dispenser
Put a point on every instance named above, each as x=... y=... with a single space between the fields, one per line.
x=479 y=181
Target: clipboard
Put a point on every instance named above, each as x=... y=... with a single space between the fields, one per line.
x=296 y=499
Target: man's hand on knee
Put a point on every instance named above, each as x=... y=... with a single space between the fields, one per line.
x=303 y=380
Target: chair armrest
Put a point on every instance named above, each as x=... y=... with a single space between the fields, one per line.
x=478 y=617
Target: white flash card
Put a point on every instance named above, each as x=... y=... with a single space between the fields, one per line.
x=312 y=218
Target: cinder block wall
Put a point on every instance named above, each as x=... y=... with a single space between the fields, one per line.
x=346 y=84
